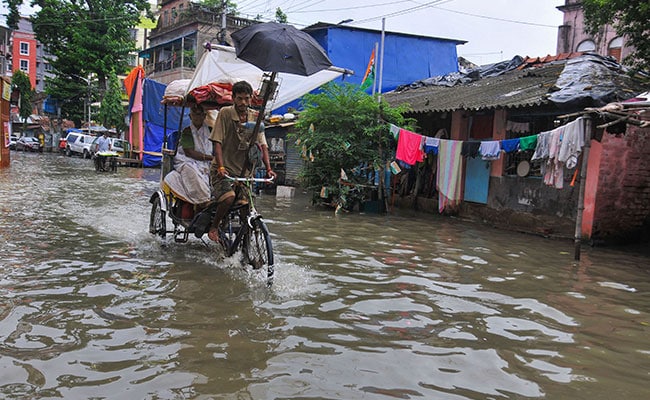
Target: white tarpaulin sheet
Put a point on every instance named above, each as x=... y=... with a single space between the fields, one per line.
x=222 y=65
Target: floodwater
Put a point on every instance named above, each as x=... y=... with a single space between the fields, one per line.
x=404 y=306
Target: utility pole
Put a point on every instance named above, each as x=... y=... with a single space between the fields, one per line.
x=222 y=34
x=89 y=106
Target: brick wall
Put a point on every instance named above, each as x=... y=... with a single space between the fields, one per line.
x=622 y=207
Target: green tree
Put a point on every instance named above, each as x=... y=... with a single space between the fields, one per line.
x=111 y=112
x=340 y=129
x=21 y=82
x=629 y=18
x=218 y=5
x=280 y=16
x=84 y=37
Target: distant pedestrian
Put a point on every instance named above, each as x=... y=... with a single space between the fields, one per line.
x=103 y=145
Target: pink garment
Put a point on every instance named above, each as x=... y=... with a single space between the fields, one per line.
x=136 y=127
x=409 y=147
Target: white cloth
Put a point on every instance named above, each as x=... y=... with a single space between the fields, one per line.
x=572 y=143
x=541 y=150
x=490 y=149
x=554 y=170
x=190 y=178
x=431 y=141
x=517 y=127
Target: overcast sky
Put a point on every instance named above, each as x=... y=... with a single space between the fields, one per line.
x=495 y=30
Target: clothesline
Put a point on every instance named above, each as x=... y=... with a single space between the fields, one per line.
x=559 y=148
x=412 y=147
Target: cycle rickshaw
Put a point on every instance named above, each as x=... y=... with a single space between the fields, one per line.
x=284 y=63
x=243 y=229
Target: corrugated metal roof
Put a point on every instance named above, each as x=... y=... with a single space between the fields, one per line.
x=565 y=80
x=518 y=88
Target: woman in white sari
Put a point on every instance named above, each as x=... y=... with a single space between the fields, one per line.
x=190 y=179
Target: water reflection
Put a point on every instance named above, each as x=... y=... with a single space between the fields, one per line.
x=363 y=306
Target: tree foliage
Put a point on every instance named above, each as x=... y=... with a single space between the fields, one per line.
x=280 y=16
x=217 y=5
x=347 y=132
x=629 y=18
x=20 y=81
x=84 y=37
x=111 y=113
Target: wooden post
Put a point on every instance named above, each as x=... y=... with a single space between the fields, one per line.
x=588 y=126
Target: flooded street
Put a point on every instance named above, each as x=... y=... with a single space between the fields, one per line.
x=404 y=306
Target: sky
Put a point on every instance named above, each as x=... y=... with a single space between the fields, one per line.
x=495 y=30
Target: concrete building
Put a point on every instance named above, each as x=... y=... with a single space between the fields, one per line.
x=175 y=45
x=28 y=55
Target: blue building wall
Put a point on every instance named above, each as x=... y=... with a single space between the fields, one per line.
x=407 y=58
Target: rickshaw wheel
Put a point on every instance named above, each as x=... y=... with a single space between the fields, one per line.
x=157 y=225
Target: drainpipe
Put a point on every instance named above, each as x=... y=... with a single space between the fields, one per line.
x=588 y=126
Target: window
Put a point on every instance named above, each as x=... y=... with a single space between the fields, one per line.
x=24 y=66
x=24 y=48
x=48 y=67
x=587 y=45
x=614 y=48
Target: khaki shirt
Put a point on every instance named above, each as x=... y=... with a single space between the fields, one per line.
x=235 y=139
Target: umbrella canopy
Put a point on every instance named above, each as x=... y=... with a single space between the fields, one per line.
x=276 y=47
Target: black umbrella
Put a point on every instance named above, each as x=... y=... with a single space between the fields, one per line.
x=275 y=47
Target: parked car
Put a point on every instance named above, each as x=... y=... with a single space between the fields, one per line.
x=26 y=143
x=12 y=142
x=119 y=146
x=78 y=143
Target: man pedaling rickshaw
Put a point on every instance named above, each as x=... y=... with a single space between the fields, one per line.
x=232 y=136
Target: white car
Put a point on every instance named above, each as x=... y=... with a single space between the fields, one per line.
x=12 y=142
x=78 y=143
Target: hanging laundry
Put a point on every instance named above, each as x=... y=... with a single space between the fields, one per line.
x=409 y=147
x=470 y=148
x=490 y=150
x=448 y=174
x=572 y=143
x=528 y=142
x=431 y=145
x=541 y=150
x=510 y=145
x=517 y=127
x=554 y=171
x=394 y=130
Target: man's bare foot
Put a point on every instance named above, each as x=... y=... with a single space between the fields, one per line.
x=213 y=234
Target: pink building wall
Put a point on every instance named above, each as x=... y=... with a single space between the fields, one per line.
x=571 y=33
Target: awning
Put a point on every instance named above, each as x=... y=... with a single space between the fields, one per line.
x=220 y=64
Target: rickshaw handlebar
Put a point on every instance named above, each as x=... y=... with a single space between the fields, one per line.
x=265 y=180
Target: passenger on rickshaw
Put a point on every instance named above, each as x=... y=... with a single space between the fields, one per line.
x=232 y=138
x=190 y=179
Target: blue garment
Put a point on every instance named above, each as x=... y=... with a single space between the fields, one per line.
x=510 y=145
